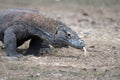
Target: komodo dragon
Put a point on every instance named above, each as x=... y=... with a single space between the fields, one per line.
x=20 y=25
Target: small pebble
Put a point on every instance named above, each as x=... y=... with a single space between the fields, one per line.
x=106 y=70
x=84 y=69
x=85 y=14
x=115 y=53
x=113 y=47
x=93 y=46
x=94 y=69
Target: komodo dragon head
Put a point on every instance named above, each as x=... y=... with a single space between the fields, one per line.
x=65 y=36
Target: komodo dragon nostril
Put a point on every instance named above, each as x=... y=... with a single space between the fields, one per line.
x=81 y=42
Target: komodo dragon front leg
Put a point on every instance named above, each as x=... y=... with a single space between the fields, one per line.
x=10 y=43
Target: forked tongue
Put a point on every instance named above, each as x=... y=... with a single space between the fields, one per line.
x=85 y=51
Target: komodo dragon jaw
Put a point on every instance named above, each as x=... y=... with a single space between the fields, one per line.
x=65 y=36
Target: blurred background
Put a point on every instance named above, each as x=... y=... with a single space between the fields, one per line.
x=69 y=4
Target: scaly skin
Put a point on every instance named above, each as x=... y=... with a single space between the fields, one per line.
x=18 y=26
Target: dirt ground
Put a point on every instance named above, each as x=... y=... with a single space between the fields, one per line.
x=98 y=26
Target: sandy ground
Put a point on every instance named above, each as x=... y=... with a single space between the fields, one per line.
x=99 y=27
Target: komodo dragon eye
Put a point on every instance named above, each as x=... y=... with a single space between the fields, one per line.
x=68 y=35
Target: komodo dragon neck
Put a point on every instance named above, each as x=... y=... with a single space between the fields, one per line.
x=44 y=23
